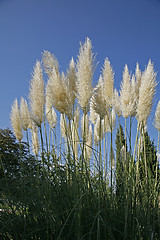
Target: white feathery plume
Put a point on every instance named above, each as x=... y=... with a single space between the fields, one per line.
x=98 y=135
x=62 y=88
x=76 y=117
x=36 y=96
x=71 y=81
x=110 y=120
x=157 y=117
x=99 y=102
x=108 y=79
x=74 y=138
x=126 y=93
x=93 y=115
x=49 y=62
x=35 y=140
x=25 y=115
x=84 y=127
x=16 y=120
x=138 y=76
x=85 y=66
x=73 y=132
x=146 y=93
x=63 y=126
x=134 y=96
x=50 y=112
x=117 y=103
x=60 y=93
x=88 y=149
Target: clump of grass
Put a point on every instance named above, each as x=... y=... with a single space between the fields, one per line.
x=77 y=192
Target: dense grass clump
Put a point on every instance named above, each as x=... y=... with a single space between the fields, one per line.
x=70 y=182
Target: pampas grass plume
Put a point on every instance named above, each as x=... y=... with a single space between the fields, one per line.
x=16 y=120
x=85 y=66
x=88 y=149
x=99 y=102
x=117 y=103
x=25 y=115
x=93 y=115
x=157 y=117
x=84 y=126
x=36 y=96
x=35 y=140
x=71 y=81
x=63 y=126
x=98 y=135
x=146 y=93
x=108 y=78
x=126 y=94
x=50 y=112
x=49 y=62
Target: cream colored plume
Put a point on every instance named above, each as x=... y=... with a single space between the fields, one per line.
x=16 y=120
x=138 y=76
x=117 y=103
x=50 y=112
x=108 y=79
x=62 y=87
x=71 y=81
x=126 y=94
x=88 y=148
x=76 y=117
x=60 y=93
x=99 y=103
x=110 y=120
x=49 y=62
x=98 y=130
x=35 y=140
x=74 y=137
x=157 y=117
x=85 y=66
x=93 y=115
x=25 y=115
x=36 y=96
x=84 y=126
x=134 y=96
x=146 y=93
x=63 y=126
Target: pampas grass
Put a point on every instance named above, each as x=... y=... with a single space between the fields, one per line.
x=146 y=93
x=108 y=78
x=16 y=120
x=75 y=193
x=85 y=67
x=36 y=96
x=26 y=121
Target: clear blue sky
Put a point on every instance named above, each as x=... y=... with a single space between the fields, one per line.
x=125 y=31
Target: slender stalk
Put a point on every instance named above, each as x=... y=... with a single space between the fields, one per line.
x=145 y=157
x=49 y=141
x=55 y=136
x=47 y=147
x=136 y=143
x=42 y=146
x=94 y=159
x=157 y=160
x=130 y=141
x=100 y=150
x=137 y=164
x=111 y=152
x=125 y=153
x=106 y=157
x=104 y=150
x=84 y=139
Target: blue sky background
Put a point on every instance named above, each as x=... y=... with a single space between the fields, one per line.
x=125 y=31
